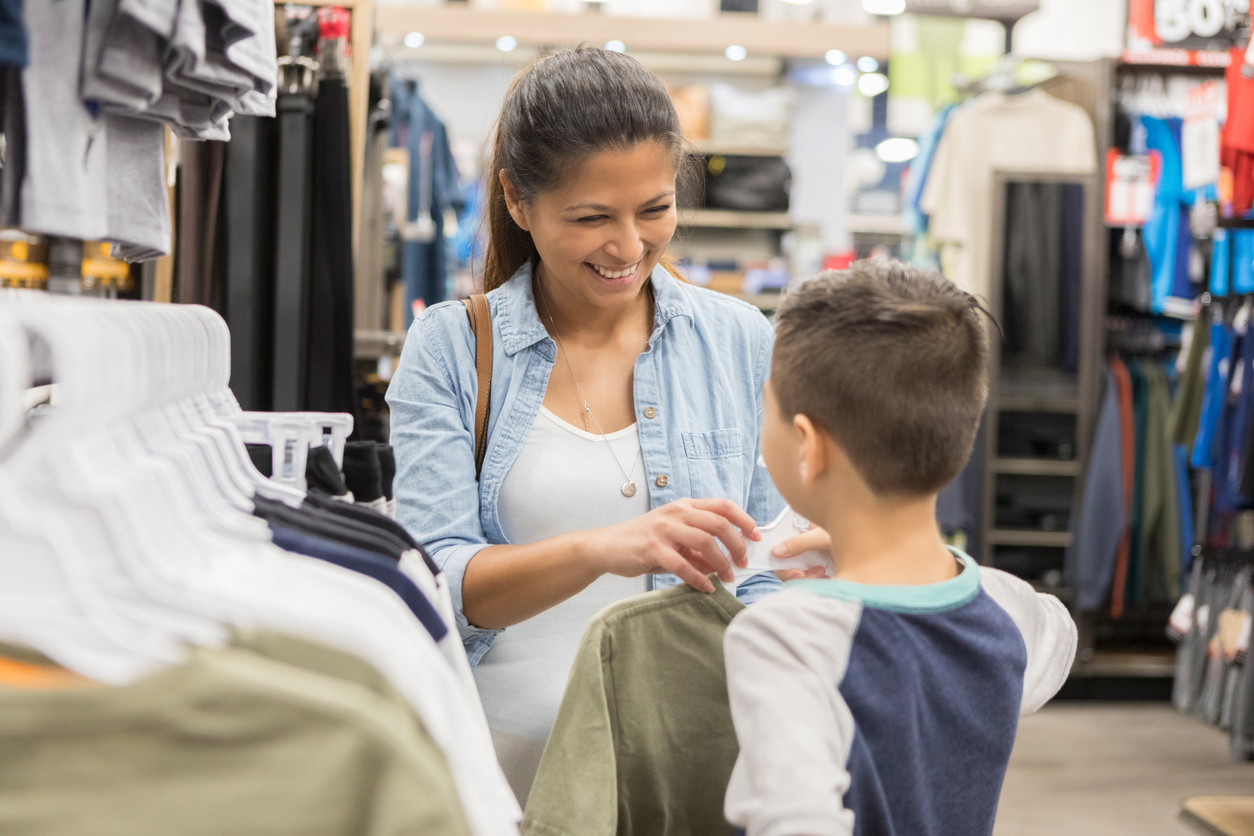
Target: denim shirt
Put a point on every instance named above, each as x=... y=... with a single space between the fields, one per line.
x=698 y=401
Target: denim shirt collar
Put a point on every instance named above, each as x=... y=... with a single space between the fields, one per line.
x=520 y=323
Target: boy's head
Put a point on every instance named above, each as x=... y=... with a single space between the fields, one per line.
x=890 y=363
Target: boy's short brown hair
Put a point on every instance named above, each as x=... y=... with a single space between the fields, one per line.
x=892 y=361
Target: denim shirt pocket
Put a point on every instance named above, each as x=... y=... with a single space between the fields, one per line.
x=716 y=466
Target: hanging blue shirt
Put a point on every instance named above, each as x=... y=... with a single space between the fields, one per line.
x=1212 y=401
x=1220 y=263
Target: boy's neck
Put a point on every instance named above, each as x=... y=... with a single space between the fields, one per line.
x=887 y=542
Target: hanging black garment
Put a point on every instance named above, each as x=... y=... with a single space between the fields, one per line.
x=329 y=353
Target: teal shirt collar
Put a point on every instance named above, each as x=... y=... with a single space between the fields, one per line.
x=515 y=306
x=923 y=598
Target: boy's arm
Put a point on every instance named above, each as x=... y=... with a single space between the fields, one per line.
x=785 y=659
x=1048 y=632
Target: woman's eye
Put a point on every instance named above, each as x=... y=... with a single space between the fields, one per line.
x=590 y=219
x=657 y=210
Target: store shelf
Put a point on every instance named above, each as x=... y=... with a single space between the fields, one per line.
x=1029 y=537
x=706 y=146
x=1127 y=665
x=1029 y=403
x=877 y=225
x=371 y=345
x=1037 y=467
x=731 y=219
x=761 y=301
x=455 y=23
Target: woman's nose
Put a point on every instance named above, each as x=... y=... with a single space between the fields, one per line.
x=626 y=245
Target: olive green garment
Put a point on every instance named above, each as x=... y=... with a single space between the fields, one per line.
x=1186 y=410
x=1160 y=519
x=643 y=742
x=230 y=742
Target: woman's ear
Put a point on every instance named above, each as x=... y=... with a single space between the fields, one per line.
x=513 y=202
x=812 y=451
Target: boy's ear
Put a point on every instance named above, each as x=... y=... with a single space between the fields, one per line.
x=812 y=450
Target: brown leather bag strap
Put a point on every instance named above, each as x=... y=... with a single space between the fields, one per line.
x=481 y=324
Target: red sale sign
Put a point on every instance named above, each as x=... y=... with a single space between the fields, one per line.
x=1185 y=32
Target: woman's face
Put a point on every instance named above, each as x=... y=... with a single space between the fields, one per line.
x=602 y=232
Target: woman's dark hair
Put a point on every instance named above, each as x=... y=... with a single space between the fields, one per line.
x=564 y=108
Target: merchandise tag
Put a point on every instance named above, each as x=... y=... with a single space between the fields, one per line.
x=1199 y=136
x=1130 y=184
x=1181 y=622
x=1233 y=634
x=1203 y=617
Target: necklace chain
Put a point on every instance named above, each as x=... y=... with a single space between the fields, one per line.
x=629 y=487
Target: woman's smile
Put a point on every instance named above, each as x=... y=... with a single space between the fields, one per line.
x=620 y=277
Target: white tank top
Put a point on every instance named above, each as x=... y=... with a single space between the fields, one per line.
x=564 y=479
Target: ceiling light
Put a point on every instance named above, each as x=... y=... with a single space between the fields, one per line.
x=884 y=7
x=835 y=57
x=868 y=64
x=897 y=150
x=616 y=46
x=736 y=52
x=872 y=84
x=414 y=40
x=844 y=76
x=506 y=43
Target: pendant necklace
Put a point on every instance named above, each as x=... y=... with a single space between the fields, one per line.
x=629 y=487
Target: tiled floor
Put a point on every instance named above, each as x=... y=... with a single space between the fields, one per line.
x=1109 y=769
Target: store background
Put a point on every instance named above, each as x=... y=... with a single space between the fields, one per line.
x=320 y=232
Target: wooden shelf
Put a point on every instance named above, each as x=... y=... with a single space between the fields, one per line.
x=761 y=301
x=1127 y=664
x=731 y=219
x=1037 y=467
x=1026 y=403
x=706 y=146
x=459 y=24
x=877 y=225
x=1029 y=537
x=371 y=345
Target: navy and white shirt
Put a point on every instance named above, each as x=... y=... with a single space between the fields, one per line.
x=887 y=710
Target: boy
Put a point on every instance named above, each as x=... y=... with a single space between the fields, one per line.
x=885 y=700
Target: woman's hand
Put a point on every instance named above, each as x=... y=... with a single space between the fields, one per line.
x=814 y=540
x=682 y=537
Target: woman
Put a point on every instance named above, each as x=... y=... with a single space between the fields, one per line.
x=626 y=404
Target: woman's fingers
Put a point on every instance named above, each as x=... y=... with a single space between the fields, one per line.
x=732 y=512
x=697 y=539
x=672 y=561
x=816 y=539
x=720 y=527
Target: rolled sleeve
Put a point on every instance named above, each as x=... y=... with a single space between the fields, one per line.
x=432 y=399
x=452 y=562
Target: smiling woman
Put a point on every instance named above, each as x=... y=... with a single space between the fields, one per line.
x=626 y=404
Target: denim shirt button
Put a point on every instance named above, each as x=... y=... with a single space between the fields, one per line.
x=661 y=481
x=650 y=412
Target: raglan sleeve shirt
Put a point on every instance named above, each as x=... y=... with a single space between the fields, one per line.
x=786 y=657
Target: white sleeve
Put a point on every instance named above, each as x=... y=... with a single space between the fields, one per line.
x=943 y=197
x=1048 y=632
x=786 y=656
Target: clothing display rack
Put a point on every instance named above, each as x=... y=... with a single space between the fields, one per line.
x=259 y=581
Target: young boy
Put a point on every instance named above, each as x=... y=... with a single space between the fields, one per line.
x=883 y=701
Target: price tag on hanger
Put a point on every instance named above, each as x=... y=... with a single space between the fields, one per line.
x=1181 y=622
x=1199 y=136
x=1130 y=183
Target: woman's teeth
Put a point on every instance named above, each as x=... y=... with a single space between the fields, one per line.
x=615 y=274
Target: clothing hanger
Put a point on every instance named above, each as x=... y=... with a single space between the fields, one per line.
x=103 y=450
